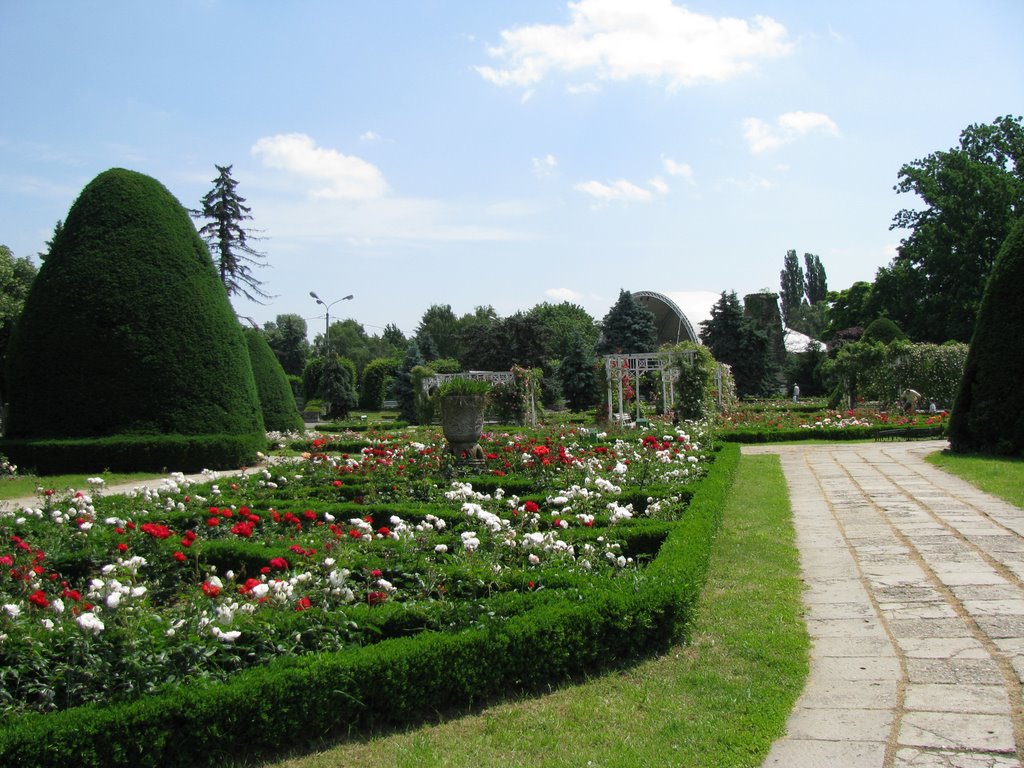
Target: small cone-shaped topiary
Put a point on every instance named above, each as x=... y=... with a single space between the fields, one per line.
x=276 y=397
x=988 y=416
x=127 y=337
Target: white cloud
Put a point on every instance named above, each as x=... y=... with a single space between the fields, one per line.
x=650 y=39
x=678 y=169
x=753 y=183
x=563 y=294
x=369 y=136
x=788 y=127
x=615 y=190
x=658 y=185
x=544 y=166
x=345 y=177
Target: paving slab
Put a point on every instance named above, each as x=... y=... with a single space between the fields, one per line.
x=915 y=607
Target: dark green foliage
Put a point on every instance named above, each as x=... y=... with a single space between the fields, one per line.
x=804 y=368
x=735 y=340
x=791 y=288
x=376 y=376
x=562 y=322
x=850 y=308
x=402 y=388
x=338 y=386
x=442 y=327
x=816 y=283
x=133 y=453
x=287 y=338
x=312 y=375
x=578 y=374
x=127 y=329
x=988 y=416
x=228 y=240
x=695 y=390
x=763 y=309
x=884 y=330
x=971 y=195
x=628 y=327
x=16 y=276
x=277 y=402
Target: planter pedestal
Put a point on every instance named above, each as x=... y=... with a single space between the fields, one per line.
x=462 y=420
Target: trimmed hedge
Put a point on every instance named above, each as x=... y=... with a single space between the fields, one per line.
x=130 y=453
x=277 y=400
x=837 y=435
x=988 y=416
x=399 y=681
x=127 y=330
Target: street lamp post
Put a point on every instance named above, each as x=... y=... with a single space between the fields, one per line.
x=327 y=316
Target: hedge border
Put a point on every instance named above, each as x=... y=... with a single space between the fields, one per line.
x=396 y=682
x=131 y=453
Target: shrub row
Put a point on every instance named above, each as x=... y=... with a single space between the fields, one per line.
x=397 y=682
x=823 y=433
x=134 y=453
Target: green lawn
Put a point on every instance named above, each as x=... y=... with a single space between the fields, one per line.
x=1000 y=476
x=719 y=701
x=25 y=485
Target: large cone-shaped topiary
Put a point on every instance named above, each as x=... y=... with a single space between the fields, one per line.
x=988 y=416
x=276 y=397
x=129 y=345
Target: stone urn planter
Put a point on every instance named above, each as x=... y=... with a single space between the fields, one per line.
x=462 y=420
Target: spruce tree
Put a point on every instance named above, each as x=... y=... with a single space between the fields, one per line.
x=402 y=387
x=225 y=211
x=734 y=339
x=628 y=327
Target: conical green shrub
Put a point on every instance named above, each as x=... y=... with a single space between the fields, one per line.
x=275 y=393
x=128 y=336
x=988 y=416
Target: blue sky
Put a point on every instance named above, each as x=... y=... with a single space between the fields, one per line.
x=506 y=153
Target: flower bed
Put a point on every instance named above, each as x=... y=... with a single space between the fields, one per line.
x=784 y=422
x=560 y=556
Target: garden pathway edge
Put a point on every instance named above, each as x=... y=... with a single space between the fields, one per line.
x=914 y=601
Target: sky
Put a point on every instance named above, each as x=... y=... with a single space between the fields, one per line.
x=477 y=152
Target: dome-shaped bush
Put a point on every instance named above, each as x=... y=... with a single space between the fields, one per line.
x=128 y=332
x=276 y=398
x=988 y=416
x=884 y=330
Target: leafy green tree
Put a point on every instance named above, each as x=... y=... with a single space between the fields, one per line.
x=849 y=308
x=578 y=374
x=442 y=326
x=972 y=194
x=277 y=402
x=127 y=332
x=481 y=338
x=225 y=212
x=763 y=309
x=287 y=337
x=988 y=416
x=815 y=281
x=791 y=289
x=16 y=276
x=735 y=339
x=628 y=327
x=563 y=322
x=373 y=384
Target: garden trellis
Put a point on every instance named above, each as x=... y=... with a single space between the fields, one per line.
x=620 y=366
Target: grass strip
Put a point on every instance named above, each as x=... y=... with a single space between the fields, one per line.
x=25 y=485
x=1002 y=476
x=720 y=700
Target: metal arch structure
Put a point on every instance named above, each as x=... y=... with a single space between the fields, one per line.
x=672 y=325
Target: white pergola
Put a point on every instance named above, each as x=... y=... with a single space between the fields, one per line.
x=636 y=365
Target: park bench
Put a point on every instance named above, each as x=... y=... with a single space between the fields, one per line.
x=908 y=433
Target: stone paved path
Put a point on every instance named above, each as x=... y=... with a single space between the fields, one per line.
x=915 y=607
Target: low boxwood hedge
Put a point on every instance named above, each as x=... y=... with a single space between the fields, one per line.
x=134 y=453
x=400 y=681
